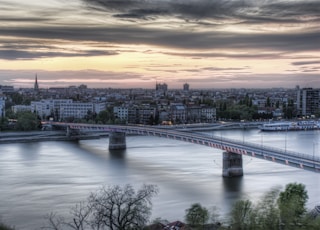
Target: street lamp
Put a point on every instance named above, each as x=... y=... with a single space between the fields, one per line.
x=314 y=148
x=261 y=142
x=285 y=141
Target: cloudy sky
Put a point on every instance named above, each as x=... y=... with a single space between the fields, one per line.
x=136 y=43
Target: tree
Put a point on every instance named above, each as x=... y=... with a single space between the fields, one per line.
x=292 y=205
x=265 y=215
x=215 y=215
x=196 y=215
x=268 y=103
x=105 y=117
x=241 y=214
x=27 y=121
x=5 y=227
x=111 y=208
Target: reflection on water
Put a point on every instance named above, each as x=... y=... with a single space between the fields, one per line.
x=118 y=154
x=233 y=184
x=39 y=178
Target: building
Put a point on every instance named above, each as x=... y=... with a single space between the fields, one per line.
x=146 y=114
x=49 y=107
x=186 y=87
x=21 y=108
x=2 y=106
x=308 y=101
x=208 y=114
x=121 y=112
x=162 y=87
x=178 y=113
x=36 y=85
x=6 y=89
x=61 y=109
x=76 y=110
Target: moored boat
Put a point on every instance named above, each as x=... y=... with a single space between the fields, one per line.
x=290 y=126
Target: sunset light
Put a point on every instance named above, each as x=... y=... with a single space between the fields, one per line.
x=211 y=44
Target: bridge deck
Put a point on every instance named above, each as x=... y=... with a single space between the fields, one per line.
x=289 y=158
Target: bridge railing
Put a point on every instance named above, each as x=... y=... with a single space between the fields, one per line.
x=270 y=149
x=262 y=148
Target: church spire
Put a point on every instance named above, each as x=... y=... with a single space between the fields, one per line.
x=36 y=85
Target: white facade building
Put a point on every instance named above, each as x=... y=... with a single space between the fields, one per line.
x=208 y=114
x=75 y=110
x=121 y=112
x=60 y=109
x=98 y=107
x=49 y=107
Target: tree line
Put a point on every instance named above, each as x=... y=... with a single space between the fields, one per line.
x=124 y=208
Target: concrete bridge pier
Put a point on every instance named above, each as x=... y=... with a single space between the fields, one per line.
x=117 y=141
x=72 y=132
x=232 y=165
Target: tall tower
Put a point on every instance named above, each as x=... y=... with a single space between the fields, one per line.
x=36 y=85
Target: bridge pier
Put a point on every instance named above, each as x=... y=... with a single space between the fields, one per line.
x=232 y=165
x=72 y=132
x=117 y=140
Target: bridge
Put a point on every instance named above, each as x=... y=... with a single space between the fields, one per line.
x=233 y=150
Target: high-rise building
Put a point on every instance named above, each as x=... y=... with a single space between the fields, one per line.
x=186 y=87
x=162 y=87
x=308 y=101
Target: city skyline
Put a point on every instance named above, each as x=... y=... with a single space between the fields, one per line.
x=136 y=43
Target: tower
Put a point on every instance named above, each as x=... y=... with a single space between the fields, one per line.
x=36 y=85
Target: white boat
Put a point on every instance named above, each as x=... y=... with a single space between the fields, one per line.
x=290 y=126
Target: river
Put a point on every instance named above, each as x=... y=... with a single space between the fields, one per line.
x=43 y=177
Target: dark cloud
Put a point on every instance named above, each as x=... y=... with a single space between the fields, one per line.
x=295 y=41
x=45 y=24
x=305 y=62
x=14 y=54
x=18 y=49
x=251 y=11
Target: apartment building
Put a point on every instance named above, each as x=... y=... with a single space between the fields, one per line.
x=61 y=109
x=308 y=101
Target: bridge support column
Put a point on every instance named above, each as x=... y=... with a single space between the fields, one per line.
x=232 y=165
x=72 y=132
x=68 y=131
x=117 y=140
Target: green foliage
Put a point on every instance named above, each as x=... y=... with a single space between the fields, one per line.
x=196 y=215
x=237 y=112
x=27 y=121
x=265 y=215
x=276 y=210
x=241 y=214
x=292 y=204
x=4 y=123
x=5 y=227
x=105 y=117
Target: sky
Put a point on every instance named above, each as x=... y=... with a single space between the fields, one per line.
x=138 y=43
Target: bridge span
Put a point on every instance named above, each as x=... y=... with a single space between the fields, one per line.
x=233 y=150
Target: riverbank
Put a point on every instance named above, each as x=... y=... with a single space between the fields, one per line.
x=36 y=136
